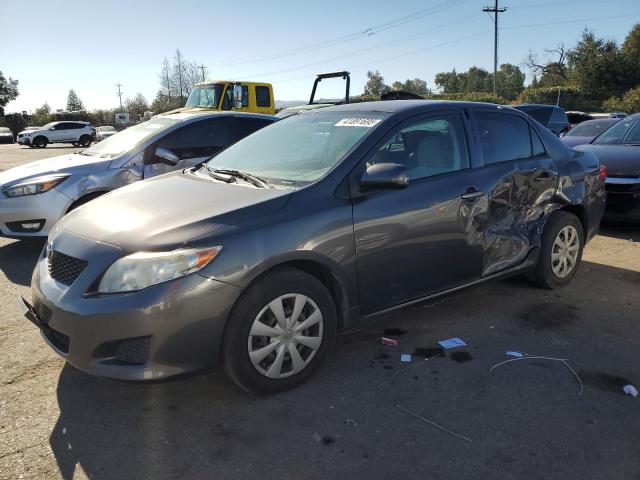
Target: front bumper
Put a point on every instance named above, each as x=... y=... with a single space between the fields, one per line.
x=48 y=206
x=164 y=330
x=623 y=198
x=24 y=140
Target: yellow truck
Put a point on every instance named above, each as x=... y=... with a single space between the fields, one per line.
x=231 y=95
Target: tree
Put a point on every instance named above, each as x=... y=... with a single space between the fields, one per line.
x=375 y=85
x=448 y=82
x=42 y=115
x=137 y=105
x=552 y=71
x=166 y=87
x=417 y=86
x=631 y=45
x=73 y=102
x=629 y=103
x=8 y=91
x=510 y=81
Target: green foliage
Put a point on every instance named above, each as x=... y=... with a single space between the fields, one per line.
x=417 y=86
x=571 y=98
x=8 y=91
x=486 y=97
x=374 y=87
x=137 y=105
x=41 y=116
x=162 y=103
x=74 y=103
x=510 y=81
x=15 y=121
x=629 y=103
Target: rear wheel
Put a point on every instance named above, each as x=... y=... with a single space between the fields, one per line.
x=40 y=142
x=561 y=251
x=85 y=141
x=279 y=332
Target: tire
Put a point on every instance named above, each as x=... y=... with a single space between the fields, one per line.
x=253 y=315
x=85 y=141
x=40 y=142
x=560 y=252
x=75 y=144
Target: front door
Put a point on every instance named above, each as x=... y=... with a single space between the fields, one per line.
x=424 y=238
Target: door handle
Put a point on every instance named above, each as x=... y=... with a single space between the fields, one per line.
x=472 y=194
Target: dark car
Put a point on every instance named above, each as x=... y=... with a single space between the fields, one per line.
x=550 y=116
x=586 y=131
x=618 y=148
x=255 y=259
x=576 y=118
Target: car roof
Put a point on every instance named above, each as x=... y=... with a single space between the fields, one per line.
x=184 y=116
x=395 y=106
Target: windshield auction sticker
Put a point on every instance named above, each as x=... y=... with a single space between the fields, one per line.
x=358 y=122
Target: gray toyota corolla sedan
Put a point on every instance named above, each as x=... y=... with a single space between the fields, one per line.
x=255 y=259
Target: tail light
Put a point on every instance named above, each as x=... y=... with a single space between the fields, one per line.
x=602 y=173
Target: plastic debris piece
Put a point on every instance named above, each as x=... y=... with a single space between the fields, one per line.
x=351 y=422
x=388 y=341
x=428 y=352
x=451 y=343
x=428 y=420
x=631 y=390
x=515 y=354
x=405 y=357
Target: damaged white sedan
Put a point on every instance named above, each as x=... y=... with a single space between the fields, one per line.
x=36 y=195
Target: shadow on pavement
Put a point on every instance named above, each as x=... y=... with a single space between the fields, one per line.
x=621 y=230
x=19 y=258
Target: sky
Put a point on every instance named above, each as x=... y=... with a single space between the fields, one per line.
x=53 y=46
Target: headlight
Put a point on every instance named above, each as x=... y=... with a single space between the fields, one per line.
x=143 y=269
x=34 y=186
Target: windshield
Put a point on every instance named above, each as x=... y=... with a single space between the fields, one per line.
x=626 y=131
x=106 y=129
x=49 y=125
x=4 y=130
x=590 y=128
x=205 y=96
x=540 y=114
x=299 y=149
x=128 y=139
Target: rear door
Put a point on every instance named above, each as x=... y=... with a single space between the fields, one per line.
x=422 y=239
x=518 y=177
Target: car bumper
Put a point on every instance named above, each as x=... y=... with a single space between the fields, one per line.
x=164 y=330
x=623 y=199
x=6 y=139
x=48 y=207
x=24 y=141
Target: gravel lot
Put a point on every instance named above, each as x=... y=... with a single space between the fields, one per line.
x=525 y=420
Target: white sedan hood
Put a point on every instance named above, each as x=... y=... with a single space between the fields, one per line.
x=71 y=163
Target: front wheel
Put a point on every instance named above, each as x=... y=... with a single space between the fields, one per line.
x=560 y=252
x=40 y=142
x=279 y=332
x=85 y=141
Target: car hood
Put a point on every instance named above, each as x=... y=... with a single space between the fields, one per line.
x=575 y=141
x=70 y=163
x=166 y=211
x=620 y=160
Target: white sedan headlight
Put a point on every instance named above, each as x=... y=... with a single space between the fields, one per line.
x=34 y=186
x=143 y=269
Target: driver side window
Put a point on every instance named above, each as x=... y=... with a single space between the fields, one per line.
x=429 y=147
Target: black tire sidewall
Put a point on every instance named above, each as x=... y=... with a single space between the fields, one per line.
x=40 y=142
x=557 y=222
x=235 y=354
x=84 y=141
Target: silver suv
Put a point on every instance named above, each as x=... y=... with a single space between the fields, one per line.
x=76 y=133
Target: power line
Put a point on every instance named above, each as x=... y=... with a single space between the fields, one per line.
x=495 y=10
x=628 y=15
x=367 y=32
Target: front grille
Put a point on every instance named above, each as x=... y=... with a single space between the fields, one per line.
x=65 y=269
x=133 y=350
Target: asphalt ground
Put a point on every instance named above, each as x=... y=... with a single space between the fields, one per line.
x=527 y=419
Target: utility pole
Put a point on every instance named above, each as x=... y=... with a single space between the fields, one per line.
x=119 y=94
x=495 y=10
x=203 y=68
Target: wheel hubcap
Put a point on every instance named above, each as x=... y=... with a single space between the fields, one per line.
x=285 y=336
x=564 y=254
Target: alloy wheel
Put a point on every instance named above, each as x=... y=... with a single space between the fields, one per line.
x=285 y=336
x=565 y=250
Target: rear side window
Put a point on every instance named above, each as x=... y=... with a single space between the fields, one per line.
x=503 y=137
x=263 y=99
x=537 y=147
x=200 y=139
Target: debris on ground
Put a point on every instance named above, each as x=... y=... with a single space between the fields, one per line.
x=404 y=370
x=538 y=357
x=461 y=357
x=511 y=353
x=388 y=341
x=429 y=352
x=431 y=422
x=405 y=357
x=630 y=390
x=394 y=332
x=452 y=343
x=351 y=422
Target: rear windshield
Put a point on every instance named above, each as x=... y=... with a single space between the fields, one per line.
x=591 y=128
x=540 y=114
x=4 y=130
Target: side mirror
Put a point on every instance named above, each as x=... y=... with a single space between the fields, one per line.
x=237 y=96
x=384 y=176
x=52 y=129
x=167 y=156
